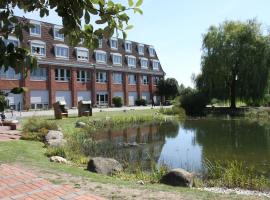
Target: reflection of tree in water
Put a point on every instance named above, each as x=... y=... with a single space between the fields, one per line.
x=232 y=140
x=150 y=140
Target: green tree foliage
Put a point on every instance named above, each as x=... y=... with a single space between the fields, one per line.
x=235 y=62
x=168 y=88
x=107 y=16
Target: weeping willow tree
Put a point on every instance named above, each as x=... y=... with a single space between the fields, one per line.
x=235 y=62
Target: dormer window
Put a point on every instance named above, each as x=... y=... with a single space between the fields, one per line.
x=131 y=60
x=117 y=59
x=57 y=35
x=128 y=46
x=35 y=29
x=144 y=63
x=151 y=51
x=141 y=49
x=38 y=48
x=61 y=51
x=114 y=43
x=82 y=54
x=101 y=57
x=100 y=41
x=155 y=64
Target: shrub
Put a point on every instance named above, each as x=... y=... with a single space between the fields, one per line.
x=175 y=110
x=140 y=102
x=56 y=151
x=194 y=103
x=36 y=129
x=117 y=101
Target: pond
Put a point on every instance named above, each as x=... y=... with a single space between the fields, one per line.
x=188 y=144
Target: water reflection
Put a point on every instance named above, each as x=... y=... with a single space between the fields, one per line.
x=187 y=144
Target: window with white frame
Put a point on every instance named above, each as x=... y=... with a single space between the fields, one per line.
x=128 y=46
x=61 y=51
x=82 y=54
x=151 y=51
x=57 y=35
x=155 y=64
x=117 y=78
x=39 y=74
x=131 y=60
x=101 y=57
x=9 y=74
x=38 y=48
x=145 y=80
x=13 y=40
x=62 y=74
x=144 y=63
x=114 y=43
x=35 y=29
x=156 y=80
x=141 y=49
x=101 y=77
x=132 y=79
x=100 y=42
x=83 y=76
x=117 y=59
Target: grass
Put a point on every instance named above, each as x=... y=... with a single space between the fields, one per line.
x=32 y=154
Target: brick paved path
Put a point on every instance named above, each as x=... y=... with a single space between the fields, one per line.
x=17 y=184
x=6 y=134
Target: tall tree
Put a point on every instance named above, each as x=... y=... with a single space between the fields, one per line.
x=235 y=62
x=168 y=88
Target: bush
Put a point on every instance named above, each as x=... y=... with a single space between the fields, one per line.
x=140 y=102
x=117 y=101
x=194 y=103
x=37 y=129
x=175 y=110
x=56 y=151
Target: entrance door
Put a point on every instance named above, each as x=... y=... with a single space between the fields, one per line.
x=102 y=99
x=132 y=96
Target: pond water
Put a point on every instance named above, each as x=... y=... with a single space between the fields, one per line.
x=187 y=144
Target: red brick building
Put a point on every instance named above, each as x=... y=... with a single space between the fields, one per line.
x=127 y=69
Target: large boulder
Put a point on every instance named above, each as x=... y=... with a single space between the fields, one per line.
x=55 y=138
x=178 y=177
x=106 y=166
x=58 y=159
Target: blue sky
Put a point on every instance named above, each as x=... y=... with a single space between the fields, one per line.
x=175 y=28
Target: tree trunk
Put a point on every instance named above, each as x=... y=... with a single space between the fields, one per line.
x=233 y=94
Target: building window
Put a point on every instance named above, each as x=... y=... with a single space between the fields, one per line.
x=38 y=48
x=128 y=46
x=101 y=57
x=57 y=35
x=102 y=98
x=117 y=78
x=39 y=74
x=144 y=63
x=114 y=43
x=13 y=40
x=62 y=74
x=82 y=54
x=155 y=65
x=132 y=79
x=35 y=29
x=151 y=51
x=101 y=77
x=156 y=80
x=9 y=74
x=141 y=49
x=145 y=80
x=61 y=51
x=131 y=60
x=100 y=41
x=117 y=59
x=83 y=76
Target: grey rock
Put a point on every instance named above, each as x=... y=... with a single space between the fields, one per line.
x=178 y=177
x=106 y=166
x=80 y=124
x=58 y=159
x=55 y=138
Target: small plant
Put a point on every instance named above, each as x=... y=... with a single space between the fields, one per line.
x=141 y=102
x=56 y=151
x=117 y=101
x=175 y=110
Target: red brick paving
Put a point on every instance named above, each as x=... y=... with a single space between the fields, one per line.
x=17 y=184
x=6 y=134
